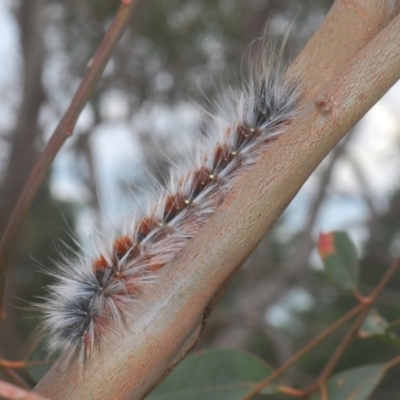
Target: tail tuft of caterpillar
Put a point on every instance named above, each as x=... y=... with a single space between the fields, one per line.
x=94 y=294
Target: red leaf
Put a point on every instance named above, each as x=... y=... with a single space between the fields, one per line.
x=326 y=246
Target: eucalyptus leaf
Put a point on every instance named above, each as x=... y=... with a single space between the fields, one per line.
x=354 y=384
x=214 y=375
x=340 y=259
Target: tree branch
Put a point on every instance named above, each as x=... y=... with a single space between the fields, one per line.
x=265 y=293
x=349 y=25
x=167 y=323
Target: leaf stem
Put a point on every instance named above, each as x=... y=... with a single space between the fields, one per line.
x=393 y=362
x=339 y=352
x=350 y=314
x=361 y=309
x=366 y=303
x=290 y=391
x=323 y=391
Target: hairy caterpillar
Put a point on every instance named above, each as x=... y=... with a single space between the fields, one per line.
x=94 y=293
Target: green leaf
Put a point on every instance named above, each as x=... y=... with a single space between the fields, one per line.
x=373 y=325
x=392 y=339
x=354 y=384
x=393 y=326
x=214 y=375
x=340 y=259
x=391 y=336
x=39 y=362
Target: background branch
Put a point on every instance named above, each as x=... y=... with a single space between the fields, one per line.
x=62 y=132
x=30 y=18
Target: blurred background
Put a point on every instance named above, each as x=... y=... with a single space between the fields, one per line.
x=174 y=60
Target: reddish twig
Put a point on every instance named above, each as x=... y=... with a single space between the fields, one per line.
x=11 y=392
x=10 y=368
x=296 y=357
x=16 y=378
x=63 y=131
x=393 y=362
x=12 y=364
x=323 y=391
x=339 y=351
x=290 y=391
x=366 y=303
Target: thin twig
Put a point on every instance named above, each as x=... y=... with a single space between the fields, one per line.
x=11 y=392
x=20 y=364
x=16 y=378
x=296 y=357
x=62 y=132
x=293 y=392
x=366 y=303
x=361 y=309
x=393 y=362
x=384 y=281
x=10 y=367
x=339 y=351
x=323 y=391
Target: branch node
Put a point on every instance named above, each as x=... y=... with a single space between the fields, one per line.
x=324 y=105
